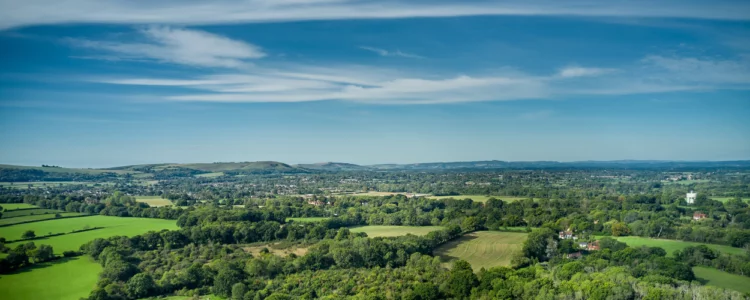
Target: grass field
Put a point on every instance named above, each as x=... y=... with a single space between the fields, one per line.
x=480 y=198
x=42 y=184
x=12 y=206
x=311 y=219
x=672 y=245
x=153 y=201
x=211 y=175
x=725 y=199
x=112 y=226
x=64 y=279
x=482 y=248
x=28 y=212
x=380 y=230
x=711 y=276
x=15 y=220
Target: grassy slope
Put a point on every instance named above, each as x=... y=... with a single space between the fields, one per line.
x=711 y=276
x=12 y=206
x=65 y=170
x=15 y=220
x=153 y=201
x=725 y=199
x=112 y=226
x=672 y=245
x=378 y=230
x=311 y=219
x=483 y=248
x=28 y=212
x=63 y=279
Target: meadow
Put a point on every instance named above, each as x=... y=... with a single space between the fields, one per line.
x=310 y=219
x=67 y=278
x=72 y=241
x=153 y=201
x=725 y=199
x=12 y=206
x=6 y=221
x=673 y=245
x=210 y=175
x=382 y=230
x=718 y=278
x=28 y=212
x=482 y=248
x=481 y=198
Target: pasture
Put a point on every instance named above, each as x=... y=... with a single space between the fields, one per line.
x=310 y=219
x=72 y=241
x=482 y=248
x=5 y=221
x=386 y=231
x=12 y=206
x=480 y=198
x=28 y=212
x=67 y=278
x=725 y=199
x=211 y=175
x=673 y=245
x=153 y=201
x=718 y=278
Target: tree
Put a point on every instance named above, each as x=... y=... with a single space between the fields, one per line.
x=620 y=229
x=140 y=286
x=535 y=245
x=461 y=280
x=42 y=254
x=238 y=291
x=225 y=280
x=28 y=234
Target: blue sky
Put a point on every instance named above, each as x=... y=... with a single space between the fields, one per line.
x=87 y=83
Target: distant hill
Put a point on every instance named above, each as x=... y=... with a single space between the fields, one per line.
x=333 y=166
x=616 y=164
x=64 y=170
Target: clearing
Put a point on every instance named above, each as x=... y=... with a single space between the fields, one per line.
x=211 y=175
x=153 y=201
x=385 y=231
x=482 y=248
x=66 y=278
x=481 y=198
x=308 y=219
x=715 y=277
x=722 y=199
x=673 y=245
x=112 y=226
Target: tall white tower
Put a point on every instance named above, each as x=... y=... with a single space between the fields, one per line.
x=690 y=198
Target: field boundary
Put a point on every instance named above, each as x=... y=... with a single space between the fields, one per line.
x=42 y=220
x=53 y=235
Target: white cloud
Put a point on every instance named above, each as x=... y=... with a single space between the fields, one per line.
x=581 y=72
x=178 y=46
x=699 y=69
x=14 y=13
x=383 y=52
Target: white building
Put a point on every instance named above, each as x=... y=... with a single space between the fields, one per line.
x=690 y=198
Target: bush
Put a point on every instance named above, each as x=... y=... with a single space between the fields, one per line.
x=70 y=253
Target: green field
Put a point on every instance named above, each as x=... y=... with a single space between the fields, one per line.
x=211 y=175
x=311 y=219
x=112 y=226
x=672 y=245
x=12 y=206
x=714 y=277
x=42 y=184
x=725 y=199
x=382 y=230
x=15 y=220
x=64 y=279
x=481 y=198
x=28 y=212
x=153 y=201
x=482 y=248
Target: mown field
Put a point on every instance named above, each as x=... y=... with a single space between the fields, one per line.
x=14 y=220
x=12 y=206
x=714 y=277
x=72 y=241
x=482 y=248
x=310 y=219
x=153 y=201
x=210 y=175
x=64 y=279
x=672 y=245
x=480 y=198
x=382 y=230
x=28 y=212
x=725 y=199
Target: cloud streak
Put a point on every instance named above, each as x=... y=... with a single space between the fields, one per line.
x=383 y=52
x=15 y=13
x=177 y=46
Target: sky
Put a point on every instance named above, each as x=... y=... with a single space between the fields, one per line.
x=89 y=83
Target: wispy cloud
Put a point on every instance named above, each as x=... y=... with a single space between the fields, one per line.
x=581 y=72
x=383 y=52
x=178 y=46
x=35 y=12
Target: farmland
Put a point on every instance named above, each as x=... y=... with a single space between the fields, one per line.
x=714 y=277
x=725 y=199
x=379 y=230
x=153 y=201
x=310 y=219
x=28 y=212
x=480 y=198
x=483 y=248
x=5 y=221
x=111 y=226
x=68 y=278
x=12 y=206
x=673 y=245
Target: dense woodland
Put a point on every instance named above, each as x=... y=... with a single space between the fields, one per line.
x=221 y=216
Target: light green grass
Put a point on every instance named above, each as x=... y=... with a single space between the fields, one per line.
x=722 y=199
x=381 y=230
x=72 y=241
x=482 y=249
x=310 y=219
x=28 y=212
x=211 y=175
x=481 y=198
x=15 y=220
x=153 y=201
x=673 y=245
x=12 y=206
x=715 y=277
x=67 y=279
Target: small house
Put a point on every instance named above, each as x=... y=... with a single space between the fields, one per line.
x=593 y=246
x=575 y=255
x=697 y=216
x=583 y=245
x=565 y=235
